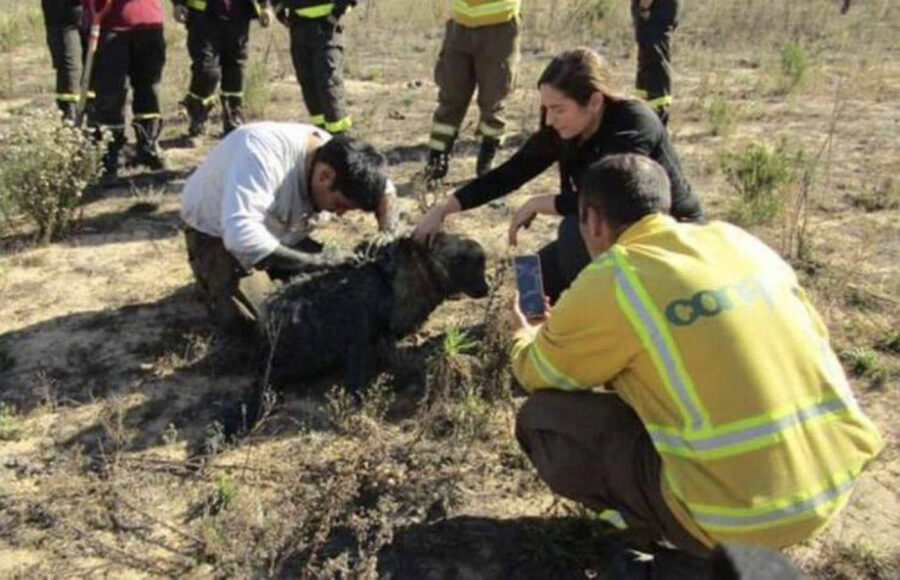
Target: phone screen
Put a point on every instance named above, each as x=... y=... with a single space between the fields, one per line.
x=530 y=284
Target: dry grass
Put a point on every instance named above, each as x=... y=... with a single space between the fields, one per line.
x=112 y=382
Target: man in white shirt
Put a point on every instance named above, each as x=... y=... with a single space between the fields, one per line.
x=248 y=209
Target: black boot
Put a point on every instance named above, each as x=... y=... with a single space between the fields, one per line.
x=437 y=166
x=68 y=109
x=148 y=152
x=198 y=115
x=486 y=154
x=113 y=152
x=232 y=114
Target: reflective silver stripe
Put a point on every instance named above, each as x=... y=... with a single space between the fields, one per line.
x=775 y=514
x=443 y=129
x=743 y=435
x=659 y=344
x=553 y=376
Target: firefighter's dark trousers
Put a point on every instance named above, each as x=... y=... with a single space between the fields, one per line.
x=654 y=70
x=592 y=448
x=134 y=57
x=232 y=295
x=218 y=51
x=317 y=49
x=485 y=58
x=66 y=40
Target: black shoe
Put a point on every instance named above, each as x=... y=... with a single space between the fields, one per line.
x=198 y=115
x=486 y=154
x=148 y=152
x=438 y=166
x=113 y=153
x=232 y=114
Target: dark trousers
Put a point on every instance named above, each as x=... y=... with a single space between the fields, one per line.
x=317 y=50
x=564 y=258
x=233 y=295
x=218 y=51
x=134 y=57
x=66 y=41
x=592 y=448
x=653 y=34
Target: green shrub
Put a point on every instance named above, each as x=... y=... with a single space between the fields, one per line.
x=10 y=424
x=794 y=66
x=722 y=117
x=45 y=168
x=760 y=174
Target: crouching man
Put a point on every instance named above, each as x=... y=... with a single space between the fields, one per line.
x=726 y=416
x=248 y=210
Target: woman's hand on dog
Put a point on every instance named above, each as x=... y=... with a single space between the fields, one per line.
x=433 y=220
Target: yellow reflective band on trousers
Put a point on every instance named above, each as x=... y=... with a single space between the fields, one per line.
x=746 y=435
x=613 y=518
x=318 y=11
x=476 y=13
x=443 y=129
x=317 y=120
x=238 y=95
x=781 y=511
x=437 y=145
x=203 y=100
x=650 y=325
x=339 y=125
x=196 y=4
x=489 y=131
x=145 y=116
x=67 y=97
x=660 y=102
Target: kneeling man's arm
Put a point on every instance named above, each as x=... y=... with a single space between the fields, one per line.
x=585 y=342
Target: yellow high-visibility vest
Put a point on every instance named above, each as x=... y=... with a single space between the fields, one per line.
x=477 y=13
x=705 y=332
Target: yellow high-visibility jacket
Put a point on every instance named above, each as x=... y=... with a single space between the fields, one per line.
x=477 y=13
x=704 y=331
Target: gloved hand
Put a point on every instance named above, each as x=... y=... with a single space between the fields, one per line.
x=180 y=13
x=265 y=16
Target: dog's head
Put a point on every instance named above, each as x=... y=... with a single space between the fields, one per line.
x=460 y=263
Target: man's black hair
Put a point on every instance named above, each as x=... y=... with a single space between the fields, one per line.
x=624 y=188
x=359 y=170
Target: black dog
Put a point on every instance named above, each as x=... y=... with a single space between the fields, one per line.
x=343 y=318
x=338 y=318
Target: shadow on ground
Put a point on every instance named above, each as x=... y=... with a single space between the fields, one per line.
x=485 y=548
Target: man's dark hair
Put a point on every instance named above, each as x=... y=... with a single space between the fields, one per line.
x=359 y=170
x=624 y=188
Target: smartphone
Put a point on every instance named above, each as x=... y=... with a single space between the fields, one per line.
x=530 y=284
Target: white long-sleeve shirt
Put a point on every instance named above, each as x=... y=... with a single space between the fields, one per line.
x=251 y=190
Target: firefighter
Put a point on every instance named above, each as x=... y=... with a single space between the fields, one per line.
x=480 y=49
x=654 y=22
x=317 y=50
x=65 y=37
x=218 y=31
x=131 y=52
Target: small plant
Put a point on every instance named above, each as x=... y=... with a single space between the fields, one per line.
x=722 y=117
x=222 y=494
x=760 y=174
x=794 y=66
x=890 y=342
x=256 y=89
x=862 y=361
x=45 y=168
x=10 y=424
x=883 y=197
x=457 y=341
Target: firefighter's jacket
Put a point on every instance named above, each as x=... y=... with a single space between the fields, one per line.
x=704 y=331
x=478 y=13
